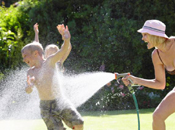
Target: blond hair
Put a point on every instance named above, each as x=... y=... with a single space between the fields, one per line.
x=156 y=40
x=34 y=46
x=50 y=49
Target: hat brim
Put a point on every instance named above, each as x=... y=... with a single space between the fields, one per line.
x=144 y=30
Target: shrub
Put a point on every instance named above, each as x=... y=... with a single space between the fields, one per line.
x=101 y=31
x=10 y=38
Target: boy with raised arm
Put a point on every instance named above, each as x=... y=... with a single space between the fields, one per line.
x=52 y=48
x=43 y=75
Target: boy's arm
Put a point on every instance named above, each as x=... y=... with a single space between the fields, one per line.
x=30 y=81
x=36 y=32
x=67 y=54
x=61 y=30
x=64 y=48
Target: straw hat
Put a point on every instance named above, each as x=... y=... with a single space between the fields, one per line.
x=154 y=27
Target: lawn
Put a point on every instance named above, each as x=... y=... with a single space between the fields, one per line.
x=110 y=120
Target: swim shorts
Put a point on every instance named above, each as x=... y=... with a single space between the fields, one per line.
x=53 y=115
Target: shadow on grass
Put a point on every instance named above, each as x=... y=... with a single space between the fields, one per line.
x=117 y=112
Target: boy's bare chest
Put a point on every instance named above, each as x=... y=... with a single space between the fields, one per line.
x=43 y=75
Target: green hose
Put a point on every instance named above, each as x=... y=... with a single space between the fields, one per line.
x=130 y=87
x=136 y=104
x=137 y=109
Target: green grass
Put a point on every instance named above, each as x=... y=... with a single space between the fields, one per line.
x=110 y=120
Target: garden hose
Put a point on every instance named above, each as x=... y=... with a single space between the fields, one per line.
x=130 y=87
x=117 y=75
x=131 y=90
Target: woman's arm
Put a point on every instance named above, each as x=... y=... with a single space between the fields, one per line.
x=160 y=80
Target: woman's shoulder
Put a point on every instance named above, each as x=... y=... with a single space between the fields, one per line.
x=171 y=40
x=154 y=52
x=171 y=37
x=156 y=57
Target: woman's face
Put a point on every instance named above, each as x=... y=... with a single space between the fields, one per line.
x=146 y=39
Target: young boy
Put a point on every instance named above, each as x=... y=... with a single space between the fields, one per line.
x=42 y=74
x=52 y=48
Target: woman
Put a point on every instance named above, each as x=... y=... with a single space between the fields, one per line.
x=163 y=58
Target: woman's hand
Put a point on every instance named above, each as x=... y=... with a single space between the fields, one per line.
x=129 y=79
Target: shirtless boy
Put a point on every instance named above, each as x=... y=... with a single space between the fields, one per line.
x=54 y=107
x=52 y=48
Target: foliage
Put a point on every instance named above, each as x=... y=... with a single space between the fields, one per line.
x=101 y=31
x=10 y=37
x=110 y=97
x=7 y=3
x=118 y=97
x=1 y=76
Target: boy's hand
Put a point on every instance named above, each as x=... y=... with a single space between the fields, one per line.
x=35 y=27
x=30 y=84
x=64 y=32
x=29 y=89
x=30 y=80
x=61 y=29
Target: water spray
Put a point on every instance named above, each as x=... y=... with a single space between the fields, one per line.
x=131 y=90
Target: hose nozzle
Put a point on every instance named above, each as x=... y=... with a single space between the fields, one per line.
x=117 y=75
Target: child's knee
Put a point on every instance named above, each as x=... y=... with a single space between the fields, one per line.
x=78 y=127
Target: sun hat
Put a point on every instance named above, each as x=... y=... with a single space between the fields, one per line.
x=154 y=27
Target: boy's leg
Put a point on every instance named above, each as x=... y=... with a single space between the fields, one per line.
x=52 y=121
x=72 y=119
x=78 y=127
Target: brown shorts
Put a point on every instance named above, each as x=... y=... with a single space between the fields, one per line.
x=53 y=115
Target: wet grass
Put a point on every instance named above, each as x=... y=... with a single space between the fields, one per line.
x=109 y=120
